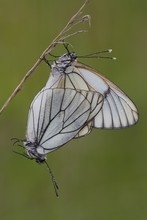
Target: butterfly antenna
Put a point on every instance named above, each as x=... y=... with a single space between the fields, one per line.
x=94 y=55
x=111 y=58
x=53 y=179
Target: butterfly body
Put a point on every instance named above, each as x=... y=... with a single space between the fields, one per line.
x=63 y=63
x=118 y=111
x=56 y=116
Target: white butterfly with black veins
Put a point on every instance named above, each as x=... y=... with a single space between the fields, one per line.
x=118 y=111
x=55 y=117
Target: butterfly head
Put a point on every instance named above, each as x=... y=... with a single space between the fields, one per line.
x=65 y=61
x=68 y=57
x=31 y=149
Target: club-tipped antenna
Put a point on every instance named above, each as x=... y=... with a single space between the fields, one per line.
x=53 y=179
x=103 y=57
x=94 y=55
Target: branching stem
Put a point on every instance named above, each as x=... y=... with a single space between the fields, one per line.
x=74 y=20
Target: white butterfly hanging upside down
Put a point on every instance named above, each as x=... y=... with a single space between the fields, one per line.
x=55 y=117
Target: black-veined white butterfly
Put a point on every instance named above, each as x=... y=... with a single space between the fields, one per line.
x=55 y=117
x=118 y=111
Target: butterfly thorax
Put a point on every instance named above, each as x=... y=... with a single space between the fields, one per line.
x=64 y=62
x=31 y=149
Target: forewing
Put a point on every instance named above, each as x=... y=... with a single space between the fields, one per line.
x=36 y=116
x=61 y=125
x=118 y=110
x=70 y=79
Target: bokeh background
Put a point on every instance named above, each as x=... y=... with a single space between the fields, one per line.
x=104 y=175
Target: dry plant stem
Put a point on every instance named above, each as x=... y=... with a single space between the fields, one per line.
x=76 y=19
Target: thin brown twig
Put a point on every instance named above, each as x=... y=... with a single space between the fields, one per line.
x=74 y=20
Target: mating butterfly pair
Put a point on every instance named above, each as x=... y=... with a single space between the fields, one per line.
x=74 y=100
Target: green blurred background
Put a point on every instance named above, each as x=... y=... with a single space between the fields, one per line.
x=104 y=175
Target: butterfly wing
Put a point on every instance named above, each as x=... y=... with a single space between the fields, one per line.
x=55 y=117
x=85 y=130
x=118 y=110
x=96 y=101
